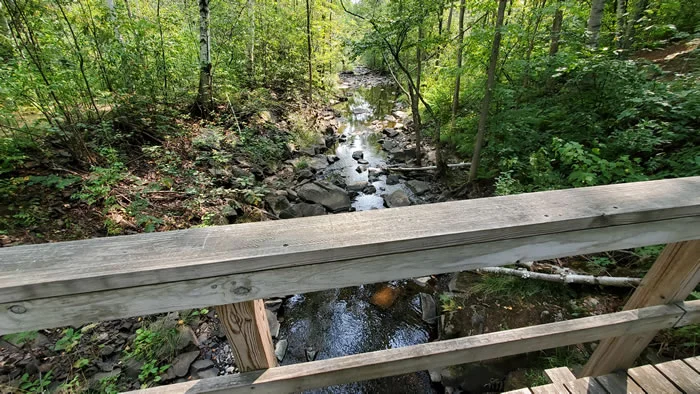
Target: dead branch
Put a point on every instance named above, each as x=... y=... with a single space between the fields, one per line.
x=564 y=278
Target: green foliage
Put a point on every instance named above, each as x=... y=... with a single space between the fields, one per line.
x=448 y=303
x=21 y=338
x=108 y=385
x=68 y=341
x=99 y=184
x=157 y=340
x=598 y=265
x=506 y=286
x=39 y=385
x=150 y=373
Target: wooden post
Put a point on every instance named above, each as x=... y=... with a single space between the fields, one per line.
x=673 y=276
x=248 y=332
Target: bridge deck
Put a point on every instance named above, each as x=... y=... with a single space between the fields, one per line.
x=677 y=376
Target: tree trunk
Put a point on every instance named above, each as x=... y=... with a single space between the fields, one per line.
x=621 y=20
x=638 y=13
x=594 y=21
x=113 y=18
x=556 y=29
x=162 y=54
x=460 y=41
x=308 y=49
x=415 y=112
x=250 y=48
x=204 y=94
x=448 y=27
x=490 y=83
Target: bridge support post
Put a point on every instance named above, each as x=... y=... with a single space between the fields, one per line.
x=248 y=333
x=674 y=275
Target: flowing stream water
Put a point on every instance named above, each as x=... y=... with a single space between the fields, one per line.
x=341 y=322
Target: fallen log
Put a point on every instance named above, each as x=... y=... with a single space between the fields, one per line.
x=428 y=168
x=564 y=278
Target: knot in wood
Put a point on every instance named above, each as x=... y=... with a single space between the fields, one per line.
x=241 y=290
x=18 y=309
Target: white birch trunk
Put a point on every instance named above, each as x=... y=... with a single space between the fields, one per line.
x=204 y=96
x=594 y=22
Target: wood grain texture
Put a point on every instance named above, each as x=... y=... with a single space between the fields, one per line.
x=693 y=362
x=172 y=296
x=519 y=391
x=619 y=382
x=248 y=333
x=651 y=380
x=673 y=276
x=299 y=377
x=585 y=386
x=692 y=313
x=682 y=375
x=560 y=375
x=48 y=270
x=554 y=388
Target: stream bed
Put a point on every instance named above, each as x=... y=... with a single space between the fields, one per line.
x=354 y=320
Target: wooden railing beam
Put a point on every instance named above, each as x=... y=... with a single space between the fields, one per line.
x=391 y=362
x=248 y=333
x=674 y=275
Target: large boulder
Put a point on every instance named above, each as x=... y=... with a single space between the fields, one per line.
x=418 y=187
x=330 y=196
x=397 y=199
x=302 y=210
x=277 y=202
x=318 y=163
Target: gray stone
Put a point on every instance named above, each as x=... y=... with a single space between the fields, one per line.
x=201 y=365
x=391 y=133
x=94 y=380
x=311 y=353
x=418 y=187
x=390 y=145
x=397 y=199
x=422 y=281
x=369 y=189
x=428 y=308
x=318 y=163
x=302 y=210
x=106 y=350
x=207 y=373
x=332 y=159
x=281 y=349
x=273 y=323
x=326 y=194
x=360 y=169
x=392 y=179
x=132 y=368
x=181 y=364
x=273 y=305
x=356 y=187
x=277 y=203
x=435 y=376
x=305 y=174
x=362 y=161
x=357 y=155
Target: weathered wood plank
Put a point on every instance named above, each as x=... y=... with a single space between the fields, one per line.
x=692 y=313
x=554 y=388
x=248 y=333
x=619 y=382
x=113 y=304
x=673 y=276
x=560 y=375
x=651 y=380
x=678 y=372
x=39 y=271
x=299 y=377
x=693 y=362
x=584 y=386
x=519 y=391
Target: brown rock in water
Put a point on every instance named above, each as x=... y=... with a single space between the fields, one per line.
x=385 y=297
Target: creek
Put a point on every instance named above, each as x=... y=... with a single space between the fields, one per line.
x=347 y=321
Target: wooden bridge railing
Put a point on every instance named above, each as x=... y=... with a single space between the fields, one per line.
x=76 y=282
